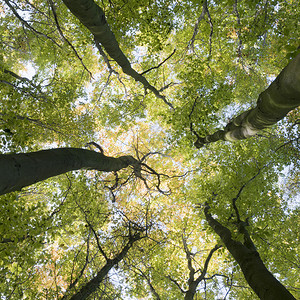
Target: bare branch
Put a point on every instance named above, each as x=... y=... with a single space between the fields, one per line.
x=96 y=145
x=203 y=273
x=72 y=284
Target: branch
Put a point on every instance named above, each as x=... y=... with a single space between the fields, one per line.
x=37 y=122
x=241 y=190
x=176 y=283
x=24 y=79
x=65 y=39
x=93 y=17
x=152 y=289
x=72 y=285
x=191 y=123
x=189 y=259
x=238 y=31
x=211 y=30
x=203 y=273
x=26 y=24
x=106 y=60
x=96 y=145
x=90 y=287
x=159 y=63
x=204 y=10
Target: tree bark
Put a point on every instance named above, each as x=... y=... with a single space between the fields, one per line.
x=93 y=18
x=23 y=169
x=263 y=283
x=282 y=96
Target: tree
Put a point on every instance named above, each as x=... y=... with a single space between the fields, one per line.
x=20 y=170
x=282 y=96
x=264 y=284
x=143 y=79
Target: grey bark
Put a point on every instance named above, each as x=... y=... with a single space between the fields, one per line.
x=23 y=169
x=282 y=96
x=263 y=283
x=93 y=18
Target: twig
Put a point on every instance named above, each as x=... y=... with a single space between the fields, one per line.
x=204 y=12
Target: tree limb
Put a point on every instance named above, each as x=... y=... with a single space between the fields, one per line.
x=93 y=17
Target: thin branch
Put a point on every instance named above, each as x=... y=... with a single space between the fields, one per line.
x=110 y=69
x=191 y=123
x=189 y=259
x=204 y=10
x=65 y=39
x=72 y=285
x=211 y=30
x=96 y=145
x=160 y=64
x=239 y=50
x=26 y=24
x=203 y=273
x=93 y=230
x=152 y=289
x=176 y=283
x=24 y=79
x=241 y=190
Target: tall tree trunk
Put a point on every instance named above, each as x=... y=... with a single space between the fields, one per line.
x=282 y=96
x=23 y=169
x=93 y=18
x=263 y=283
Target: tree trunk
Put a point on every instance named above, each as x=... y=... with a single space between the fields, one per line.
x=23 y=169
x=91 y=286
x=263 y=283
x=93 y=18
x=282 y=96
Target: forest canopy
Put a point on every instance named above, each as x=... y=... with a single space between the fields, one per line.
x=149 y=149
